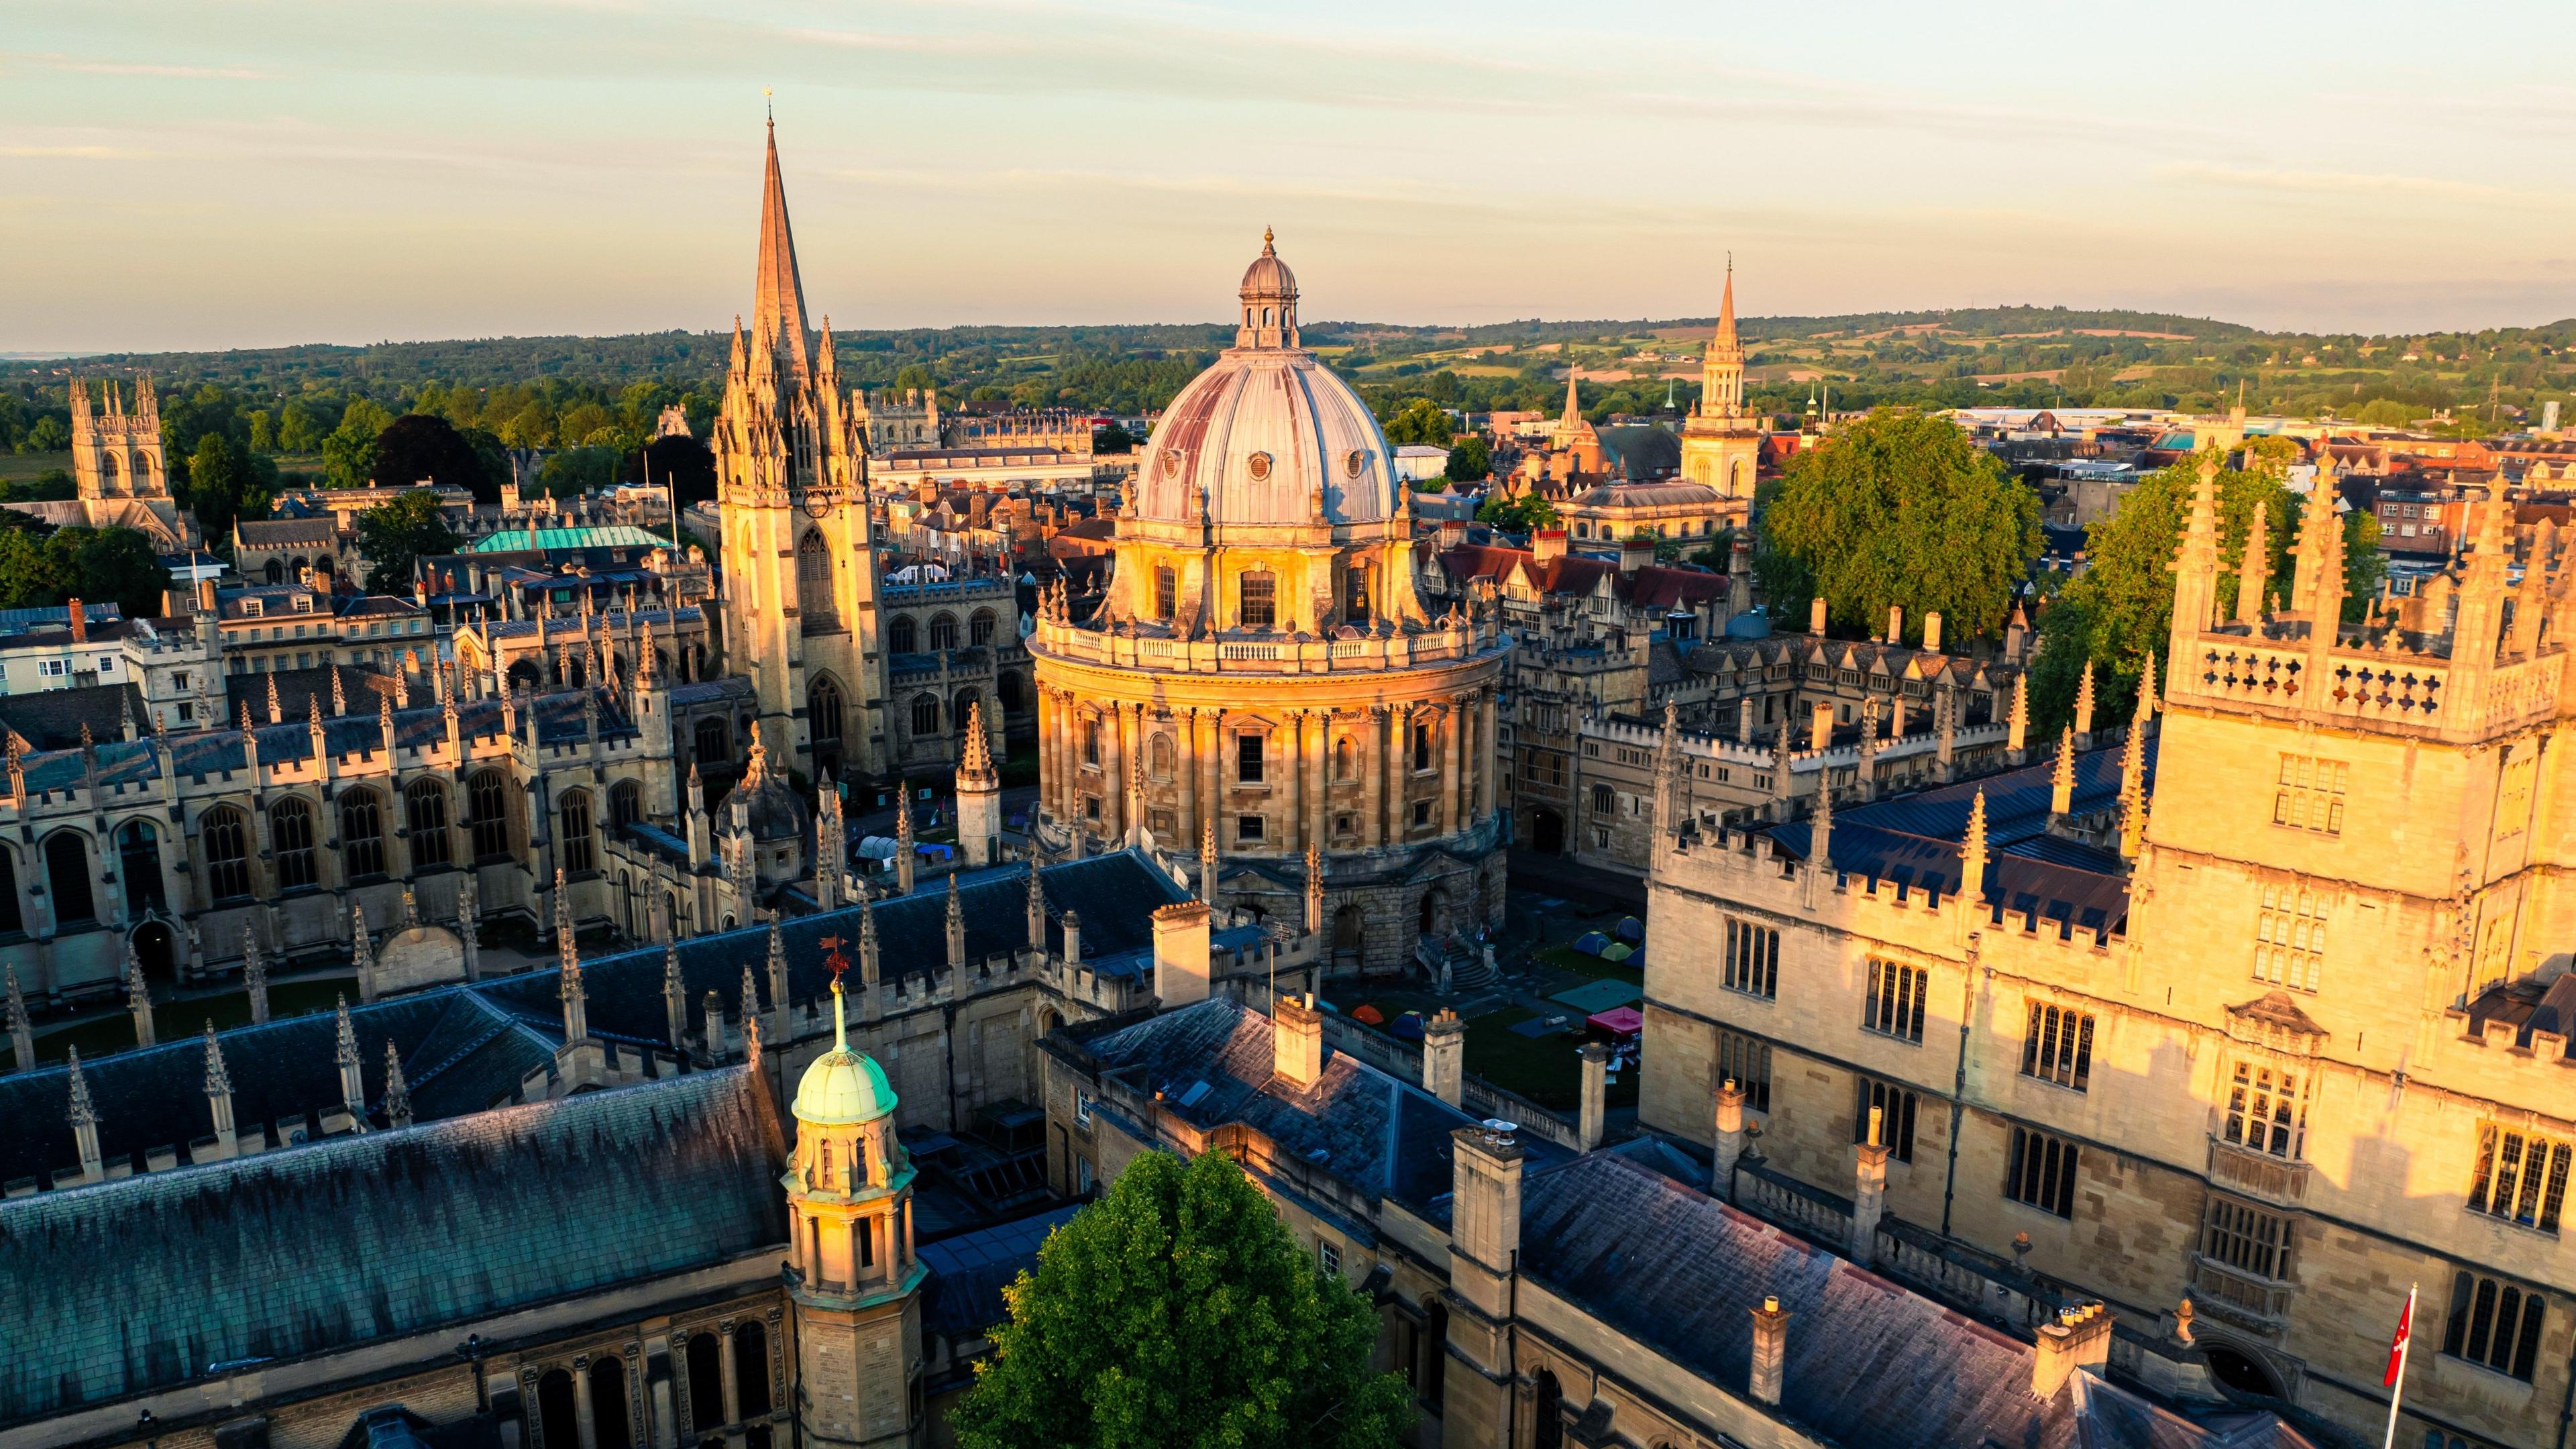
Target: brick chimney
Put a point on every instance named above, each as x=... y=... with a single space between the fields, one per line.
x=1181 y=953
x=1895 y=624
x=1869 y=1193
x=80 y=621
x=1453 y=532
x=1596 y=1076
x=1547 y=544
x=2080 y=1338
x=1729 y=1140
x=1444 y=1057
x=1485 y=1206
x=1636 y=553
x=1932 y=632
x=1770 y=1351
x=1297 y=1037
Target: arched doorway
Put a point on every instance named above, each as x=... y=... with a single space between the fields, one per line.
x=1349 y=928
x=558 y=1414
x=1547 y=832
x=153 y=950
x=1434 y=913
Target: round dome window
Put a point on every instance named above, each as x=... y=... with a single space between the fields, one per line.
x=1171 y=462
x=1260 y=464
x=1356 y=463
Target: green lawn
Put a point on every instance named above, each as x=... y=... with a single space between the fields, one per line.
x=1566 y=958
x=180 y=1020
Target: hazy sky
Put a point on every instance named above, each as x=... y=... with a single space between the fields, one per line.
x=212 y=173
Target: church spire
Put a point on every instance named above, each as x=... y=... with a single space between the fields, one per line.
x=1721 y=384
x=778 y=298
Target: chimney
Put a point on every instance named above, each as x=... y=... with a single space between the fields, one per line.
x=79 y=619
x=1895 y=624
x=1596 y=1076
x=1181 y=953
x=1453 y=532
x=1484 y=1212
x=1770 y=1351
x=1297 y=1034
x=1869 y=1193
x=1073 y=938
x=1729 y=1140
x=1932 y=632
x=1816 y=616
x=1444 y=1057
x=2080 y=1338
x=1820 y=726
x=1636 y=553
x=715 y=1026
x=1547 y=544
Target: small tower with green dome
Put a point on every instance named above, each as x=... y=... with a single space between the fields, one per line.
x=857 y=1289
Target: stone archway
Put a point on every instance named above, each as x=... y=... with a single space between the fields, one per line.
x=157 y=952
x=1547 y=831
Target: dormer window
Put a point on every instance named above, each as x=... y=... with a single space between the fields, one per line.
x=250 y=608
x=304 y=603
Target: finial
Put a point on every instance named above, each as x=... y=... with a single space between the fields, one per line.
x=768 y=110
x=840 y=964
x=1266 y=249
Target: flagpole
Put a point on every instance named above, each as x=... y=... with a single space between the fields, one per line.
x=2405 y=1350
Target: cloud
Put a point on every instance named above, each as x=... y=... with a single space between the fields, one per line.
x=2351 y=183
x=73 y=153
x=115 y=67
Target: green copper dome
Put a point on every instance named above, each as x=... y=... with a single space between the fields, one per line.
x=843 y=1088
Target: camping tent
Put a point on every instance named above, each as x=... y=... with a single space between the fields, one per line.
x=1630 y=930
x=1617 y=951
x=1369 y=1014
x=1591 y=943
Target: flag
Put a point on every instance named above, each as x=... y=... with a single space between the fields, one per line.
x=2397 y=1345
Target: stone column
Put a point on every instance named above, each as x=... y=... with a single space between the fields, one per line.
x=1319 y=775
x=1185 y=771
x=732 y=1398
x=1372 y=734
x=1399 y=769
x=1453 y=723
x=1214 y=803
x=1113 y=772
x=1052 y=776
x=1486 y=761
x=1291 y=813
x=581 y=1403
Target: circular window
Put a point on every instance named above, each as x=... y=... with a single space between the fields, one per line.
x=1356 y=463
x=1260 y=463
x=1171 y=462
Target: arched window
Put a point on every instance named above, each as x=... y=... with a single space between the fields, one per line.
x=10 y=917
x=578 y=852
x=1346 y=759
x=227 y=846
x=823 y=1161
x=1357 y=608
x=706 y=1383
x=943 y=631
x=558 y=1411
x=609 y=1423
x=1257 y=600
x=901 y=637
x=814 y=581
x=1160 y=755
x=1167 y=592
x=425 y=816
x=1605 y=801
x=275 y=573
x=625 y=803
x=823 y=711
x=138 y=865
x=979 y=628
x=960 y=707
x=925 y=715
x=1435 y=1352
x=488 y=796
x=290 y=834
x=751 y=1369
x=362 y=833
x=67 y=875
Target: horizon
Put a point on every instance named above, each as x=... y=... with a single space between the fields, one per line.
x=225 y=180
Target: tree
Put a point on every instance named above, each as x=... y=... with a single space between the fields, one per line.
x=1902 y=510
x=574 y=471
x=349 y=453
x=394 y=534
x=1517 y=515
x=424 y=448
x=1421 y=422
x=686 y=465
x=227 y=481
x=97 y=565
x=1113 y=439
x=1179 y=1311
x=1471 y=459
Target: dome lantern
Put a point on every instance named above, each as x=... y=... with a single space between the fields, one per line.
x=842 y=1088
x=1269 y=295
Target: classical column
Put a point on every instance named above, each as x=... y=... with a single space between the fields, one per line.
x=1319 y=770
x=1185 y=778
x=733 y=1399
x=1399 y=770
x=1454 y=725
x=1372 y=733
x=1487 y=761
x=1215 y=758
x=1113 y=773
x=1052 y=775
x=1292 y=809
x=581 y=1403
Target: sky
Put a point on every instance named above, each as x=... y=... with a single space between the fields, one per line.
x=248 y=173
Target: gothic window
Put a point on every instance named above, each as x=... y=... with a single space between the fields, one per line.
x=138 y=865
x=2059 y=1047
x=814 y=579
x=10 y=918
x=902 y=637
x=2042 y=1172
x=2310 y=794
x=1257 y=601
x=2290 y=937
x=1895 y=1108
x=2522 y=1178
x=823 y=711
x=290 y=834
x=67 y=875
x=925 y=715
x=1894 y=1005
x=751 y=1369
x=488 y=793
x=578 y=854
x=960 y=707
x=2247 y=1239
x=712 y=743
x=943 y=631
x=362 y=833
x=2493 y=1324
x=425 y=815
x=979 y=628
x=227 y=853
x=2267 y=1109
x=1746 y=1061
x=1167 y=589
x=625 y=803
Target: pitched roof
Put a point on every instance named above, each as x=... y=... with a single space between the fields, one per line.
x=51 y=719
x=146 y=1282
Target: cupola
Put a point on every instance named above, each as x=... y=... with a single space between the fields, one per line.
x=1269 y=301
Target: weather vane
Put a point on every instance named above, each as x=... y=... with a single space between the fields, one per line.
x=833 y=958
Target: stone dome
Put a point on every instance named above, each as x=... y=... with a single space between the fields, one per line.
x=1267 y=433
x=764 y=807
x=843 y=1088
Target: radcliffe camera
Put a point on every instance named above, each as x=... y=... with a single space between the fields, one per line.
x=1006 y=727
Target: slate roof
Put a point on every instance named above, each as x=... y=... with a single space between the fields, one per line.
x=298 y=688
x=322 y=531
x=51 y=719
x=968 y=1272
x=142 y=1283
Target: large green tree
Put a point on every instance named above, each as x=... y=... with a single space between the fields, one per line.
x=349 y=453
x=393 y=535
x=1179 y=1311
x=1901 y=509
x=1517 y=515
x=95 y=565
x=227 y=481
x=426 y=448
x=1471 y=460
x=1419 y=421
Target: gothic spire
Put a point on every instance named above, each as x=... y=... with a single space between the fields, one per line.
x=84 y=1113
x=778 y=297
x=1726 y=344
x=219 y=1080
x=397 y=1091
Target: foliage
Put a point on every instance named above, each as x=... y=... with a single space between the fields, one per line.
x=1517 y=515
x=1179 y=1311
x=1471 y=459
x=53 y=483
x=1418 y=422
x=2388 y=412
x=686 y=465
x=426 y=448
x=574 y=471
x=226 y=481
x=349 y=453
x=1112 y=439
x=95 y=565
x=1901 y=509
x=394 y=534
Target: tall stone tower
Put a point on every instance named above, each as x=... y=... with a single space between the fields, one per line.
x=800 y=569
x=1721 y=442
x=116 y=453
x=858 y=1284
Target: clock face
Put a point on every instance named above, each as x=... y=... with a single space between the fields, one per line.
x=818 y=502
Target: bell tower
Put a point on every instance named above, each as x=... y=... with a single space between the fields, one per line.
x=1721 y=442
x=858 y=1285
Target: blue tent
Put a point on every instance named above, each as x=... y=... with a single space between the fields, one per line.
x=1630 y=929
x=1408 y=1026
x=1591 y=943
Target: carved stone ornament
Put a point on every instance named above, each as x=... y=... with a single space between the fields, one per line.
x=1356 y=463
x=1259 y=463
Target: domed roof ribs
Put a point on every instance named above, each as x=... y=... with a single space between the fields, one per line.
x=778 y=298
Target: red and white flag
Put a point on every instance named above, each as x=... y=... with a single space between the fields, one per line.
x=2397 y=1345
